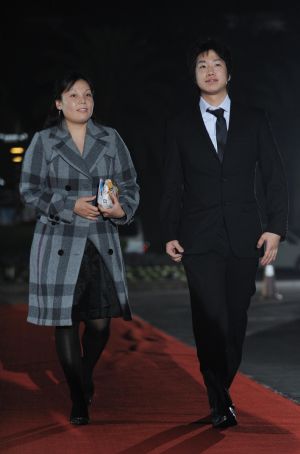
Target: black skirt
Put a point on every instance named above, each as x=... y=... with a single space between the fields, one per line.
x=95 y=294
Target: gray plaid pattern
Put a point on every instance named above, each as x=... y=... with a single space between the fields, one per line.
x=54 y=175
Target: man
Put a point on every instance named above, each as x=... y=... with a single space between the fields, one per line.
x=210 y=217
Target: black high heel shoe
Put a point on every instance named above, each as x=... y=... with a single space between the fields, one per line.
x=79 y=414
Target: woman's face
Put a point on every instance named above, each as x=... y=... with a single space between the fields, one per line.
x=77 y=103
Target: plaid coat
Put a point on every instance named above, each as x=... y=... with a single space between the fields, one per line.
x=54 y=175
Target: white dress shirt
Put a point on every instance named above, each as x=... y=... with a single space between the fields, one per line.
x=210 y=120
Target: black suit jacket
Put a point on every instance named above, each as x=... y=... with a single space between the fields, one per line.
x=200 y=193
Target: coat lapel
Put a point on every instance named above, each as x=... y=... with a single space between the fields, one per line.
x=66 y=148
x=202 y=134
x=235 y=127
x=96 y=145
x=235 y=122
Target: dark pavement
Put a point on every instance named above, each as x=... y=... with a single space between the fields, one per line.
x=271 y=351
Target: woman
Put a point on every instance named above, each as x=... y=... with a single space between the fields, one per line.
x=76 y=266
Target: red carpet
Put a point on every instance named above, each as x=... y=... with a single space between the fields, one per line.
x=149 y=395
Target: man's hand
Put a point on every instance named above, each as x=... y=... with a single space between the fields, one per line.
x=174 y=250
x=272 y=243
x=115 y=212
x=85 y=209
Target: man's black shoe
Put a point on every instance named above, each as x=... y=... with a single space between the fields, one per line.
x=223 y=420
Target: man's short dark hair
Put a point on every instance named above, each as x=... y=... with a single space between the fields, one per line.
x=210 y=44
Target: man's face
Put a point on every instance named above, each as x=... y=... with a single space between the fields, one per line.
x=211 y=73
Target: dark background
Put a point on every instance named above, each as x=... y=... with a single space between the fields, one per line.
x=136 y=57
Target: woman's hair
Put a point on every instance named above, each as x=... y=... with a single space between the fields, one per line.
x=65 y=83
x=205 y=46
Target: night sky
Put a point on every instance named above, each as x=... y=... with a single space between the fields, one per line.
x=137 y=60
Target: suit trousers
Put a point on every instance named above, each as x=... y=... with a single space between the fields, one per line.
x=220 y=286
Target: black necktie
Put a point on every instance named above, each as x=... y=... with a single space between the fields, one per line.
x=221 y=130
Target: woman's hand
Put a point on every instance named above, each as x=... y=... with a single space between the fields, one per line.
x=85 y=209
x=115 y=212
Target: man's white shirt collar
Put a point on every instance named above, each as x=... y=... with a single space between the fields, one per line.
x=225 y=104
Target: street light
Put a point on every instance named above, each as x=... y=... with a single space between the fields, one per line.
x=14 y=137
x=17 y=159
x=17 y=150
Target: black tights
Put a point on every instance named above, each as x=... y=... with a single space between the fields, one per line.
x=78 y=367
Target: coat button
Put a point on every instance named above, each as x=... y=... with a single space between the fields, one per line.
x=60 y=252
x=53 y=223
x=110 y=251
x=56 y=218
x=68 y=187
x=51 y=216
